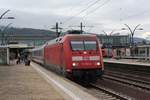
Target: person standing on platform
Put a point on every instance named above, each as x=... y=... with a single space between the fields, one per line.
x=18 y=59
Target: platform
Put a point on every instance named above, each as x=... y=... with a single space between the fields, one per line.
x=69 y=89
x=128 y=61
x=19 y=82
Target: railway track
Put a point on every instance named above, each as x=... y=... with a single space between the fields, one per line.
x=120 y=90
x=135 y=72
x=124 y=86
x=131 y=82
x=110 y=94
x=133 y=69
x=131 y=77
x=134 y=78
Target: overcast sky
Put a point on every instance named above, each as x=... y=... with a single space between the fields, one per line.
x=104 y=15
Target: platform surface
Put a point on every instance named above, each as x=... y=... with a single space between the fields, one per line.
x=20 y=82
x=69 y=89
x=128 y=61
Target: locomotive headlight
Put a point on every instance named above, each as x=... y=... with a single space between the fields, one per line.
x=98 y=63
x=84 y=52
x=73 y=64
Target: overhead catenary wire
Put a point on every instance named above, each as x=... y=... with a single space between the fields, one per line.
x=72 y=8
x=92 y=11
x=83 y=10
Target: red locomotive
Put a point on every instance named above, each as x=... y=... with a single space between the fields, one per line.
x=72 y=55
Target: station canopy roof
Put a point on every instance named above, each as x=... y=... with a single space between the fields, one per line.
x=19 y=46
x=16 y=46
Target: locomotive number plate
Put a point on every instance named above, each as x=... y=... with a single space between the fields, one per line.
x=86 y=64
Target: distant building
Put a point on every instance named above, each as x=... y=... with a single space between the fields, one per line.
x=31 y=37
x=114 y=41
x=114 y=45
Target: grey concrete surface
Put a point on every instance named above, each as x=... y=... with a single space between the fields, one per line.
x=69 y=89
x=19 y=82
x=128 y=61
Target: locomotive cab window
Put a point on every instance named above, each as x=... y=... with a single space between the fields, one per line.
x=77 y=45
x=90 y=45
x=83 y=45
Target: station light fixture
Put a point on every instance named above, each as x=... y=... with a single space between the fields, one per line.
x=123 y=29
x=8 y=18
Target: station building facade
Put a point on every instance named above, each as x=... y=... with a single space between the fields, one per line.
x=31 y=37
x=111 y=44
x=119 y=46
x=10 y=52
x=114 y=41
x=142 y=52
x=115 y=45
x=15 y=43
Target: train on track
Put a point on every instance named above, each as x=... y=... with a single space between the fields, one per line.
x=72 y=55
